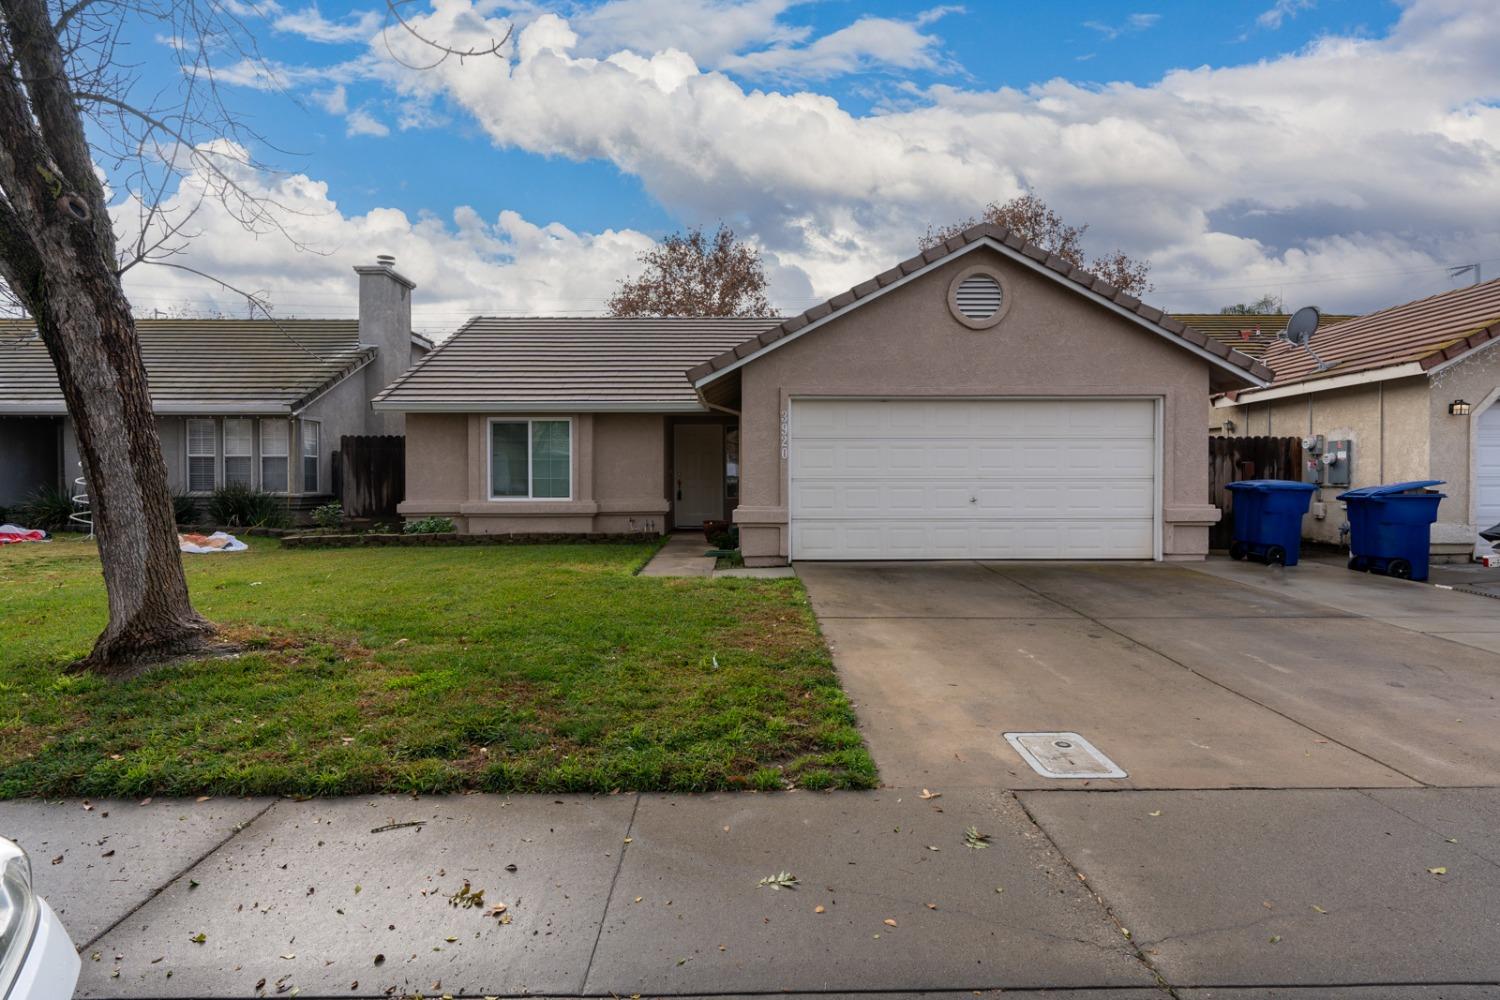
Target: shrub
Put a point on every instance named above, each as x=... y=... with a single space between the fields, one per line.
x=184 y=508
x=243 y=507
x=329 y=516
x=429 y=526
x=47 y=509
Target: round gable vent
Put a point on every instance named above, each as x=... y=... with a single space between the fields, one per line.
x=977 y=298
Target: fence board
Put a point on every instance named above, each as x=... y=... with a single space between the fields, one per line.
x=371 y=474
x=1233 y=459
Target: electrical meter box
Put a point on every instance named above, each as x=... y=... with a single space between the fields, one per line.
x=1337 y=460
x=1312 y=469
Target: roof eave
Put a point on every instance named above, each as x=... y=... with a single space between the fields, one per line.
x=539 y=406
x=1326 y=383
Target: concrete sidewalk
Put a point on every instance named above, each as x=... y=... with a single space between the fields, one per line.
x=659 y=895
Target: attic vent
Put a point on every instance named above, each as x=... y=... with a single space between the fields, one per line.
x=979 y=297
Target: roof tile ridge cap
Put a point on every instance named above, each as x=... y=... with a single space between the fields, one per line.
x=423 y=361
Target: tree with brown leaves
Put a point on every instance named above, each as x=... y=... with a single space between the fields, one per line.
x=693 y=274
x=1030 y=218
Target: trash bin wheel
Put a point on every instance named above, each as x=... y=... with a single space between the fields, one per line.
x=1399 y=568
x=1238 y=550
x=1275 y=555
x=1359 y=564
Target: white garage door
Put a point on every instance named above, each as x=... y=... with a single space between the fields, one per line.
x=1487 y=469
x=973 y=479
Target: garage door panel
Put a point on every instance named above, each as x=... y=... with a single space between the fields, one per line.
x=997 y=479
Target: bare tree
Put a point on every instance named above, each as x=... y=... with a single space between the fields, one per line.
x=1029 y=217
x=1266 y=304
x=67 y=107
x=693 y=274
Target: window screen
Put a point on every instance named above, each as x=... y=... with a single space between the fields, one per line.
x=273 y=456
x=311 y=430
x=508 y=459
x=239 y=454
x=202 y=456
x=549 y=459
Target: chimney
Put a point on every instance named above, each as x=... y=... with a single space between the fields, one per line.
x=385 y=324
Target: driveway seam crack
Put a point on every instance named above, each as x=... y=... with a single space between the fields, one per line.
x=238 y=829
x=1219 y=684
x=1094 y=894
x=609 y=897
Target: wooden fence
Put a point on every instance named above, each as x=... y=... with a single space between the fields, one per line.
x=370 y=470
x=1232 y=459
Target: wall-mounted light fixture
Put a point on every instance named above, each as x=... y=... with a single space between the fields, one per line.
x=1459 y=408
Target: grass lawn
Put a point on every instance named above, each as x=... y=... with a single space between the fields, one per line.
x=529 y=668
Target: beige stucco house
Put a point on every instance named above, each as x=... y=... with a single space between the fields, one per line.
x=1412 y=390
x=982 y=400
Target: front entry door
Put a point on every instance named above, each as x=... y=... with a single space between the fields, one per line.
x=698 y=474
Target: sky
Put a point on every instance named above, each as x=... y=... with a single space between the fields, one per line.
x=1342 y=153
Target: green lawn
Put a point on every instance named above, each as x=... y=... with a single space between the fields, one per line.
x=531 y=668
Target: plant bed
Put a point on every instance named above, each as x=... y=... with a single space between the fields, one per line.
x=314 y=539
x=501 y=668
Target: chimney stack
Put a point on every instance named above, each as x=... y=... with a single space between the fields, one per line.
x=385 y=324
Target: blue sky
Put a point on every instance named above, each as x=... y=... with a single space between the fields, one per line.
x=1205 y=136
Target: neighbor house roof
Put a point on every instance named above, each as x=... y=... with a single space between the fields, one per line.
x=1408 y=339
x=566 y=363
x=1241 y=367
x=201 y=365
x=1250 y=333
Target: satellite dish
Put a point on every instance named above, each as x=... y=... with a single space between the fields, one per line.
x=1303 y=325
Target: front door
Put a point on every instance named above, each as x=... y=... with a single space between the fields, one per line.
x=1487 y=471
x=698 y=474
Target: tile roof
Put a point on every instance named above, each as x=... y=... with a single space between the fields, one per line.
x=1084 y=282
x=1428 y=331
x=1249 y=334
x=578 y=363
x=208 y=366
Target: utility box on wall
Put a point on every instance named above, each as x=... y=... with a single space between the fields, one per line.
x=1338 y=462
x=1312 y=449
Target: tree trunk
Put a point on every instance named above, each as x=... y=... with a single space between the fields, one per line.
x=57 y=254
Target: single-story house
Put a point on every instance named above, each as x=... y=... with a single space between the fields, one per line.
x=258 y=403
x=984 y=399
x=1406 y=393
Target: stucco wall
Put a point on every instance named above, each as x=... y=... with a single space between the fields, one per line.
x=1052 y=342
x=1389 y=423
x=345 y=409
x=30 y=457
x=618 y=476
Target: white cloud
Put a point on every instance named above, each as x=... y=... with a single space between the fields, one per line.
x=362 y=122
x=463 y=266
x=1282 y=11
x=1131 y=24
x=1350 y=157
x=334 y=101
x=867 y=44
x=310 y=23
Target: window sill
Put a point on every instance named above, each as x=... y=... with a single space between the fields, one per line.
x=522 y=507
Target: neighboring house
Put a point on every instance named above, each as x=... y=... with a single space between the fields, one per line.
x=1413 y=389
x=982 y=400
x=256 y=403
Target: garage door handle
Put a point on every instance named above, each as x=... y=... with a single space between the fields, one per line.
x=973 y=499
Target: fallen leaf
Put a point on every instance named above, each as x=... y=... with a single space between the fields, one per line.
x=450 y=939
x=379 y=959
x=1440 y=870
x=198 y=938
x=1275 y=938
x=289 y=956
x=1319 y=908
x=819 y=909
x=1125 y=931
x=931 y=795
x=932 y=906
x=932 y=848
x=781 y=880
x=889 y=922
x=973 y=838
x=1156 y=813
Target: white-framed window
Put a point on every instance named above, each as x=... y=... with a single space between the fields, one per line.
x=239 y=452
x=202 y=455
x=531 y=459
x=311 y=450
x=273 y=455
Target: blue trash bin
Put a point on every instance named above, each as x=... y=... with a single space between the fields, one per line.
x=1268 y=519
x=1390 y=527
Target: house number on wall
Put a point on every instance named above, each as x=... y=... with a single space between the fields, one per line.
x=786 y=431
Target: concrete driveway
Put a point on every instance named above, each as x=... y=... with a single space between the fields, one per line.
x=1223 y=675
